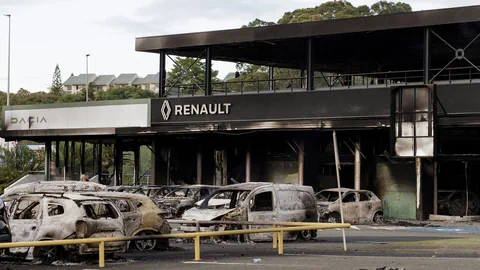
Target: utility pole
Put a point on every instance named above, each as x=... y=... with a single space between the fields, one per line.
x=86 y=80
x=8 y=80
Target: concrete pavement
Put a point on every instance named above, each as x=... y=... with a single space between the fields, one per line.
x=368 y=248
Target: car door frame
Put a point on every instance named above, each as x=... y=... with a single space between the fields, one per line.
x=350 y=208
x=270 y=216
x=22 y=226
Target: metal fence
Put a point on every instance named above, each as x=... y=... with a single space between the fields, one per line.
x=276 y=230
x=330 y=81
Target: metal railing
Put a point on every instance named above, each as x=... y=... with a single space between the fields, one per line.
x=330 y=81
x=277 y=237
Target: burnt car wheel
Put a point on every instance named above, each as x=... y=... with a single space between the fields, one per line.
x=306 y=235
x=334 y=218
x=45 y=255
x=378 y=217
x=145 y=245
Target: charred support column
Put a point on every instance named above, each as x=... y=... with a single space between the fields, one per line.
x=48 y=160
x=82 y=158
x=159 y=164
x=426 y=55
x=57 y=154
x=302 y=80
x=301 y=161
x=357 y=165
x=224 y=167
x=310 y=73
x=199 y=165
x=162 y=74
x=118 y=162
x=65 y=159
x=271 y=83
x=435 y=187
x=248 y=166
x=418 y=170
x=72 y=162
x=136 y=165
x=208 y=71
x=99 y=161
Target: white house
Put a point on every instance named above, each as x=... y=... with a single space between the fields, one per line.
x=75 y=83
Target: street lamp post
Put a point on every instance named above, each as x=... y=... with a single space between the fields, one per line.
x=8 y=79
x=86 y=80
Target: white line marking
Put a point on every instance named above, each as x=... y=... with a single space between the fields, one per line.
x=254 y=264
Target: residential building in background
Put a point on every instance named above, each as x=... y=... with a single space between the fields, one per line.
x=103 y=82
x=150 y=82
x=124 y=80
x=75 y=83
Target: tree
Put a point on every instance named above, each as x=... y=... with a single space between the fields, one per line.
x=57 y=81
x=189 y=74
x=258 y=23
x=18 y=160
x=124 y=93
x=384 y=7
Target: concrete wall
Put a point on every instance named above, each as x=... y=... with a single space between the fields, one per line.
x=396 y=187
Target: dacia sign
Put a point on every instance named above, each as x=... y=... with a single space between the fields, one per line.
x=98 y=115
x=30 y=120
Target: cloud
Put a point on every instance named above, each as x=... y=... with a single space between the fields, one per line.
x=122 y=23
x=166 y=17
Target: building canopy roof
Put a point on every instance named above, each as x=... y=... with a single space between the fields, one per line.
x=357 y=44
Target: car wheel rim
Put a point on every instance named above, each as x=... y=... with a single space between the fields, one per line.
x=145 y=245
x=378 y=218
x=47 y=255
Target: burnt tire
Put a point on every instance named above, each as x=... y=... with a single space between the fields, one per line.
x=306 y=235
x=378 y=218
x=45 y=255
x=145 y=245
x=334 y=218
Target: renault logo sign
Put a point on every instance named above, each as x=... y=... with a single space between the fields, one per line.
x=166 y=110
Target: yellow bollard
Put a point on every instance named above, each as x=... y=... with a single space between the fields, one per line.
x=275 y=241
x=280 y=243
x=197 y=248
x=101 y=254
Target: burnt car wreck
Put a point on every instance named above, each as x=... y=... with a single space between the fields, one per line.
x=175 y=203
x=40 y=217
x=142 y=217
x=256 y=202
x=359 y=206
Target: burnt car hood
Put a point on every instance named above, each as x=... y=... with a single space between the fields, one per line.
x=205 y=214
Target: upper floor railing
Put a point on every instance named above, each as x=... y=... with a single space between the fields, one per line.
x=324 y=81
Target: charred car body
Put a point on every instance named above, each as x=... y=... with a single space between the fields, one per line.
x=175 y=203
x=142 y=217
x=359 y=206
x=49 y=216
x=257 y=202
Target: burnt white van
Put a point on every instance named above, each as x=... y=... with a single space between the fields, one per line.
x=257 y=202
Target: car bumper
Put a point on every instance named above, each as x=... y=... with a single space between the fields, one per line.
x=194 y=229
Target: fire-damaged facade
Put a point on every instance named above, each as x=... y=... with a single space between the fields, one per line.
x=401 y=91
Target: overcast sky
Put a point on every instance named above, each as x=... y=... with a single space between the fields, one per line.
x=47 y=32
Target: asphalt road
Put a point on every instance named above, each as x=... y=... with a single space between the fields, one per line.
x=368 y=248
